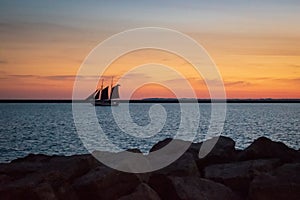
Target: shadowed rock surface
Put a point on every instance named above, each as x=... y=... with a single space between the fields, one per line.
x=238 y=175
x=282 y=183
x=264 y=170
x=266 y=148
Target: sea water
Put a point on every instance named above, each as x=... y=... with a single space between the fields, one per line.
x=49 y=128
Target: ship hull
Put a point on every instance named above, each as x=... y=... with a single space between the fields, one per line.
x=106 y=103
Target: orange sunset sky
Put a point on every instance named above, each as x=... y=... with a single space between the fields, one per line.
x=255 y=44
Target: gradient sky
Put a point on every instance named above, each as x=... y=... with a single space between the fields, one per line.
x=255 y=44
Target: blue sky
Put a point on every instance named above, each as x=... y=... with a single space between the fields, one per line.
x=182 y=15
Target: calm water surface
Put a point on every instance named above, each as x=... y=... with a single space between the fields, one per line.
x=49 y=128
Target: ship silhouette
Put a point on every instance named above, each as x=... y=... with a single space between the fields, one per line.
x=102 y=97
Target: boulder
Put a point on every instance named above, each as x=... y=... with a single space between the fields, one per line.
x=222 y=152
x=143 y=191
x=134 y=150
x=283 y=183
x=22 y=188
x=46 y=185
x=266 y=148
x=163 y=186
x=105 y=183
x=69 y=166
x=198 y=188
x=184 y=166
x=161 y=144
x=43 y=177
x=238 y=175
x=227 y=173
x=45 y=191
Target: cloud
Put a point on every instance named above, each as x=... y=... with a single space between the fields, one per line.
x=22 y=76
x=135 y=75
x=175 y=81
x=3 y=62
x=288 y=80
x=71 y=77
x=61 y=77
x=237 y=83
x=56 y=77
x=294 y=66
x=2 y=72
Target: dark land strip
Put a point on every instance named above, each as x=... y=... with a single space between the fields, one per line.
x=154 y=100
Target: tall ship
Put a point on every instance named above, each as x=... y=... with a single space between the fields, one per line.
x=102 y=97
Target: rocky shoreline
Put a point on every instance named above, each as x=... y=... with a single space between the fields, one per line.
x=264 y=170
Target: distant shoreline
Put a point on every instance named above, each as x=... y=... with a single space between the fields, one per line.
x=156 y=101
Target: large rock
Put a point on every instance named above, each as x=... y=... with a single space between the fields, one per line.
x=37 y=186
x=266 y=148
x=283 y=183
x=23 y=188
x=222 y=152
x=69 y=166
x=82 y=176
x=163 y=186
x=198 y=188
x=105 y=183
x=161 y=144
x=42 y=177
x=184 y=166
x=192 y=187
x=238 y=175
x=143 y=191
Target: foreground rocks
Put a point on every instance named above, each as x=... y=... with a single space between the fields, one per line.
x=239 y=175
x=264 y=170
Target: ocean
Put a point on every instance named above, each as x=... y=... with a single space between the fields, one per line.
x=48 y=128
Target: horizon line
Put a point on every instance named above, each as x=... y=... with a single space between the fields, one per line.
x=159 y=100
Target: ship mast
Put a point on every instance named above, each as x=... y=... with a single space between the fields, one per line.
x=112 y=81
x=102 y=85
x=111 y=86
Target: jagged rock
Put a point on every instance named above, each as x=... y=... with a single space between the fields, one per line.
x=184 y=166
x=45 y=191
x=4 y=179
x=82 y=176
x=198 y=188
x=69 y=166
x=22 y=189
x=46 y=185
x=134 y=150
x=143 y=191
x=105 y=183
x=283 y=183
x=163 y=186
x=161 y=144
x=35 y=176
x=223 y=152
x=266 y=148
x=238 y=175
x=20 y=167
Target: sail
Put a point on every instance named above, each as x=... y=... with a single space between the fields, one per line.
x=97 y=95
x=115 y=92
x=104 y=93
x=92 y=95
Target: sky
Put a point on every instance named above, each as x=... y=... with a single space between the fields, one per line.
x=255 y=45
